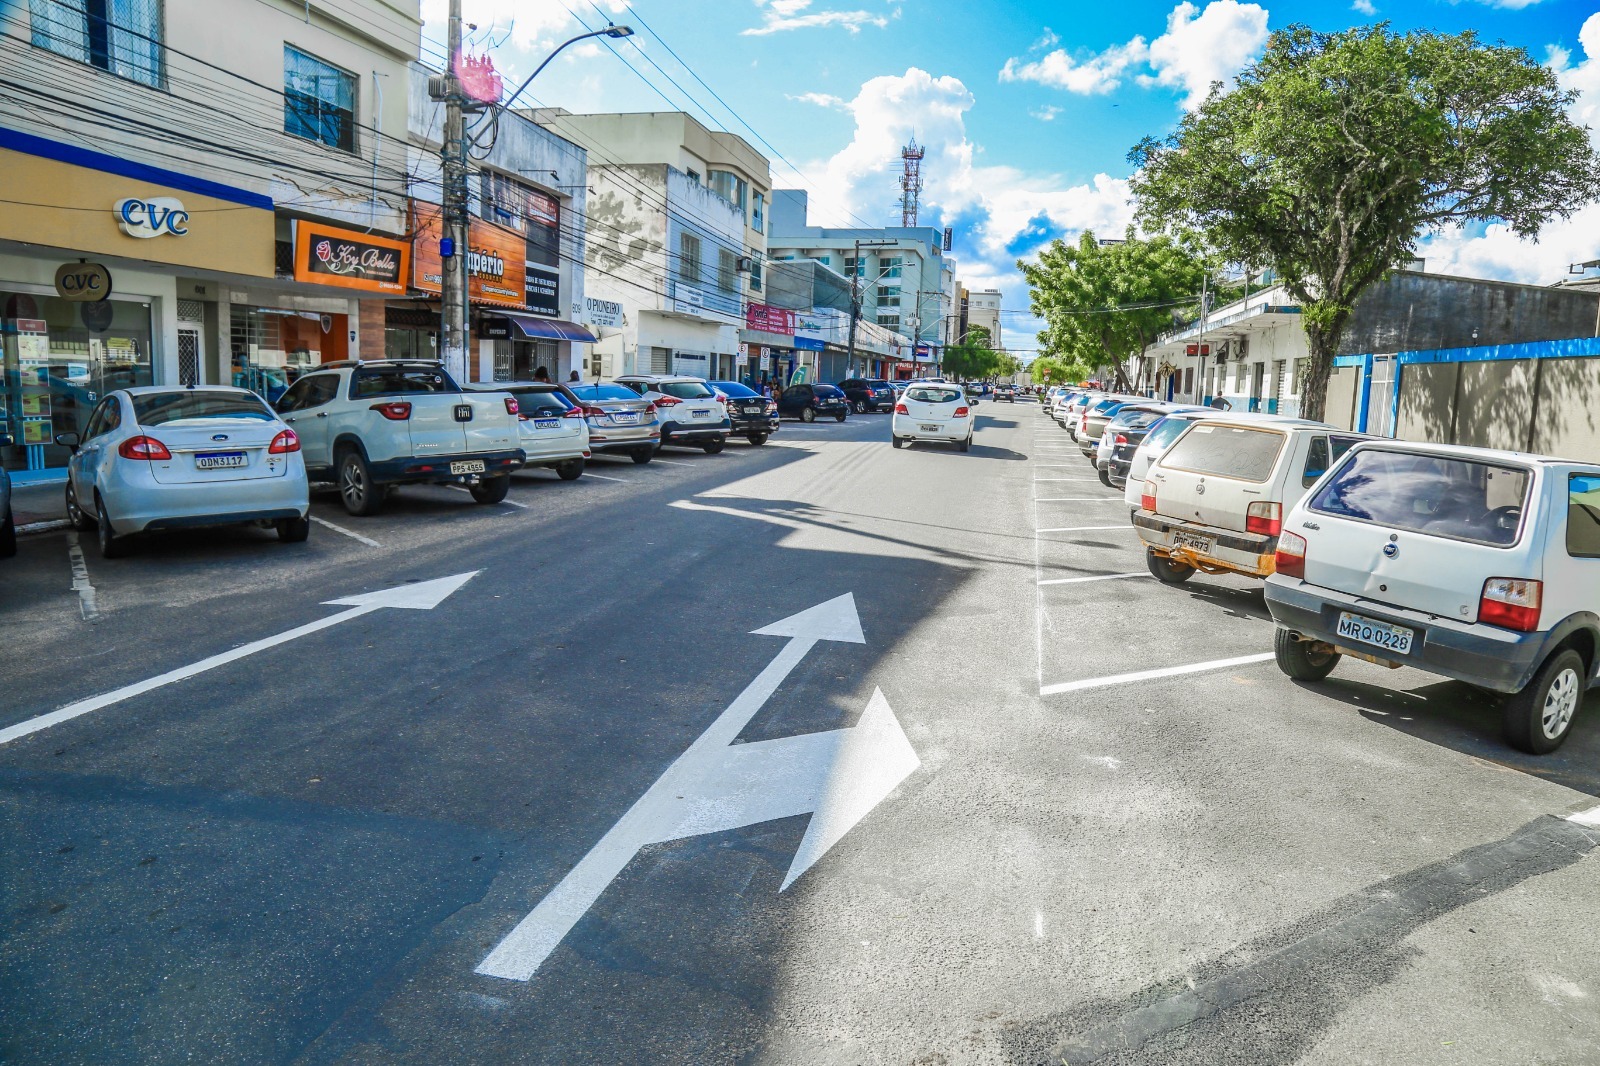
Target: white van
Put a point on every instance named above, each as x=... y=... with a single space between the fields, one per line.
x=1216 y=498
x=1479 y=565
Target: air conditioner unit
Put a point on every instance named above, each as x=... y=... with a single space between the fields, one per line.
x=745 y=264
x=1241 y=347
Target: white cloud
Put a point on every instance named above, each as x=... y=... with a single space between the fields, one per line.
x=1365 y=7
x=828 y=100
x=1198 y=47
x=781 y=15
x=1047 y=113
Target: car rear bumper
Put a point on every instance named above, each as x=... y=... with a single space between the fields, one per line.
x=1117 y=471
x=1251 y=554
x=1487 y=656
x=437 y=467
x=755 y=424
x=693 y=430
x=908 y=428
x=215 y=503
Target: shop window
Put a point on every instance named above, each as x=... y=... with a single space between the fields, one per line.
x=121 y=36
x=271 y=347
x=319 y=100
x=689 y=258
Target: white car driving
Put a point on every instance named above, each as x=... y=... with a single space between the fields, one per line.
x=937 y=412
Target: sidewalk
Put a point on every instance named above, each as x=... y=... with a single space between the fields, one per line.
x=39 y=507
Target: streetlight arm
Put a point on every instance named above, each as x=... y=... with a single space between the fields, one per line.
x=608 y=31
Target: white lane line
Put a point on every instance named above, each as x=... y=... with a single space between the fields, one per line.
x=672 y=462
x=602 y=477
x=1152 y=675
x=507 y=500
x=1081 y=529
x=1590 y=818
x=1080 y=499
x=80 y=580
x=352 y=534
x=1096 y=577
x=1037 y=480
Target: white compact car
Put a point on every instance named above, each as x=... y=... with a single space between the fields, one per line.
x=157 y=458
x=1478 y=565
x=929 y=411
x=553 y=428
x=690 y=413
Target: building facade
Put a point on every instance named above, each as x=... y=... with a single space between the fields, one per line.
x=983 y=309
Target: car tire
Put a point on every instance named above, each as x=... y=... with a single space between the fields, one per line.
x=966 y=445
x=80 y=521
x=712 y=447
x=1105 y=477
x=757 y=439
x=838 y=418
x=859 y=406
x=491 y=489
x=571 y=470
x=293 y=530
x=8 y=535
x=1538 y=719
x=356 y=491
x=644 y=455
x=1298 y=660
x=111 y=545
x=1166 y=571
x=899 y=442
x=808 y=414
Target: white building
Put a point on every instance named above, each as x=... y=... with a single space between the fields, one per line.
x=983 y=309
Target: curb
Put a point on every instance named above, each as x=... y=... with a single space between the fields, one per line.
x=44 y=527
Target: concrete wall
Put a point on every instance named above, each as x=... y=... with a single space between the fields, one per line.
x=1343 y=396
x=1409 y=311
x=1568 y=419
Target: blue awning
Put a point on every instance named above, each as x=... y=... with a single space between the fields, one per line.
x=550 y=329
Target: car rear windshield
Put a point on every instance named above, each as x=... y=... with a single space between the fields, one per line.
x=827 y=390
x=1136 y=419
x=1463 y=499
x=603 y=392
x=933 y=395
x=736 y=390
x=533 y=402
x=161 y=408
x=399 y=380
x=1226 y=451
x=686 y=390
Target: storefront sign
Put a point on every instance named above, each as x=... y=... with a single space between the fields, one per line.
x=496 y=273
x=155 y=216
x=85 y=282
x=769 y=319
x=543 y=291
x=494 y=329
x=603 y=312
x=327 y=255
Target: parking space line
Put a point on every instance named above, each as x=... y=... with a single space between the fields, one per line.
x=602 y=477
x=672 y=462
x=1590 y=818
x=1094 y=577
x=80 y=580
x=508 y=500
x=347 y=532
x=1168 y=671
x=1081 y=529
x=1080 y=499
x=1038 y=479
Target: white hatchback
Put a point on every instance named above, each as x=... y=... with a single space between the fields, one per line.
x=159 y=458
x=931 y=411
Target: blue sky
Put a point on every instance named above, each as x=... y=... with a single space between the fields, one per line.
x=1027 y=108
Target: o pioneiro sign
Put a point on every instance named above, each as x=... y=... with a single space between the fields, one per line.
x=326 y=255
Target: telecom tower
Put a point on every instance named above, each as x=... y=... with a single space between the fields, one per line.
x=910 y=181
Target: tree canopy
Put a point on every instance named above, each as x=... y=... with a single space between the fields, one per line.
x=1338 y=151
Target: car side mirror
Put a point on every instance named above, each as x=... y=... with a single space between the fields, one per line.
x=68 y=440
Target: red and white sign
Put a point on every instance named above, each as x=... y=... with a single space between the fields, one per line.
x=770 y=319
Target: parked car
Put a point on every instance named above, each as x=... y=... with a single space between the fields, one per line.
x=936 y=412
x=691 y=415
x=1132 y=456
x=550 y=424
x=1473 y=564
x=810 y=402
x=1008 y=393
x=866 y=394
x=368 y=426
x=620 y=420
x=1093 y=418
x=1133 y=418
x=1216 y=500
x=160 y=457
x=1069 y=408
x=751 y=414
x=8 y=520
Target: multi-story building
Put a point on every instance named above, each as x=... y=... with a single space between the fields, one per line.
x=676 y=239
x=899 y=274
x=194 y=192
x=983 y=309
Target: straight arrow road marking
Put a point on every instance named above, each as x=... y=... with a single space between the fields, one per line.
x=422 y=596
x=716 y=785
x=1152 y=675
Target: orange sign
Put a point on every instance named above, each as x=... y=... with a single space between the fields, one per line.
x=327 y=255
x=496 y=258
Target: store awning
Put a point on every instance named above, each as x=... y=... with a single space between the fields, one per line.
x=550 y=329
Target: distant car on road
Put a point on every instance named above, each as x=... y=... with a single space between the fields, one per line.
x=1008 y=393
x=934 y=412
x=550 y=424
x=690 y=413
x=811 y=402
x=160 y=458
x=620 y=420
x=867 y=394
x=750 y=414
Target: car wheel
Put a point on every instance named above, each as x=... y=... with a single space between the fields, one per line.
x=111 y=545
x=293 y=530
x=80 y=521
x=712 y=447
x=1168 y=571
x=807 y=414
x=8 y=535
x=571 y=470
x=644 y=455
x=491 y=489
x=899 y=442
x=966 y=445
x=838 y=418
x=758 y=439
x=860 y=407
x=1302 y=660
x=356 y=490
x=1538 y=719
x=1105 y=477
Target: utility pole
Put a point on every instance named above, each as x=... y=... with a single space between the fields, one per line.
x=454 y=219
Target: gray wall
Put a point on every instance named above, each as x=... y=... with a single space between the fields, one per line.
x=1408 y=312
x=1549 y=406
x=1343 y=396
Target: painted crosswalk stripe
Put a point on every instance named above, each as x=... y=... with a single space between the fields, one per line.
x=1155 y=675
x=1092 y=577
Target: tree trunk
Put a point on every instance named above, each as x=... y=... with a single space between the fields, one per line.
x=1322 y=341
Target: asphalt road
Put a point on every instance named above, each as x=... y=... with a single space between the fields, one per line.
x=1085 y=823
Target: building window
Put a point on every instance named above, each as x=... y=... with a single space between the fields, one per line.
x=319 y=101
x=758 y=213
x=857 y=267
x=892 y=266
x=825 y=260
x=689 y=258
x=889 y=321
x=121 y=36
x=888 y=297
x=730 y=187
x=755 y=274
x=727 y=271
x=694 y=176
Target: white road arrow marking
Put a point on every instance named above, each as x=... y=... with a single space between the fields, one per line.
x=423 y=596
x=838 y=777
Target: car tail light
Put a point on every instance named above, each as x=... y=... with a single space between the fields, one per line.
x=667 y=401
x=900 y=409
x=397 y=411
x=1512 y=602
x=961 y=412
x=1291 y=560
x=511 y=405
x=1122 y=438
x=772 y=405
x=571 y=412
x=1147 y=498
x=143 y=448
x=1264 y=518
x=284 y=443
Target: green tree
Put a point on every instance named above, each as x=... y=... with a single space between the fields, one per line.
x=1338 y=151
x=967 y=360
x=1105 y=302
x=979 y=335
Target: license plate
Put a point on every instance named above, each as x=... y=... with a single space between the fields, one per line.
x=467 y=466
x=1390 y=638
x=699 y=414
x=928 y=429
x=752 y=410
x=625 y=418
x=547 y=423
x=219 y=460
x=1193 y=541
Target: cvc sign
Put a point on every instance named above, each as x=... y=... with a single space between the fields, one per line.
x=154 y=217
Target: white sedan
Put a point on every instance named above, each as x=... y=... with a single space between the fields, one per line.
x=929 y=411
x=157 y=458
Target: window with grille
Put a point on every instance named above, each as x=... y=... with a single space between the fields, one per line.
x=319 y=100
x=188 y=357
x=121 y=36
x=689 y=258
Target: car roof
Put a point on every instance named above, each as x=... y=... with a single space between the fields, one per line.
x=501 y=386
x=656 y=379
x=147 y=390
x=1462 y=451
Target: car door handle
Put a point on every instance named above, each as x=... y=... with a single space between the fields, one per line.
x=322 y=414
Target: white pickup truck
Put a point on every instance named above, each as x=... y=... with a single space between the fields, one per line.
x=367 y=425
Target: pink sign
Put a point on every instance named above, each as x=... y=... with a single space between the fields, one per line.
x=769 y=319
